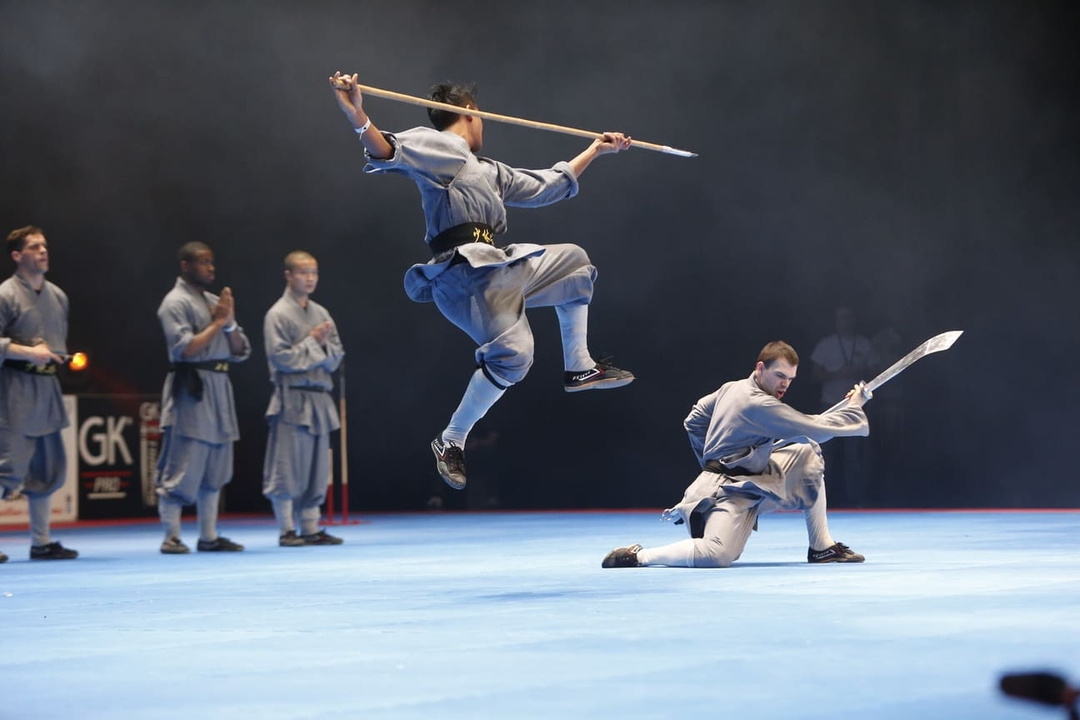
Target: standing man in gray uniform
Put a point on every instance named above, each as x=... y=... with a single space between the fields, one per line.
x=482 y=288
x=302 y=349
x=198 y=416
x=757 y=456
x=33 y=339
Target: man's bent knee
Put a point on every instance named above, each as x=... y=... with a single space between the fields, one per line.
x=506 y=371
x=175 y=496
x=506 y=364
x=578 y=285
x=712 y=553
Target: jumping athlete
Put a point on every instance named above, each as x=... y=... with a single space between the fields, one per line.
x=481 y=287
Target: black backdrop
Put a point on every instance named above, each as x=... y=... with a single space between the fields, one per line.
x=918 y=161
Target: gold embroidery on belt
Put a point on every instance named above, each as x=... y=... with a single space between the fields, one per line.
x=483 y=235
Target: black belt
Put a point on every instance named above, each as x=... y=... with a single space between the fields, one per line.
x=187 y=379
x=212 y=365
x=308 y=388
x=461 y=235
x=717 y=467
x=29 y=367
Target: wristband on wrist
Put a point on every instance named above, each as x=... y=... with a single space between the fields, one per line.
x=363 y=128
x=231 y=327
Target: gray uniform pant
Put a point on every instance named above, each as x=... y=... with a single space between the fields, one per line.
x=35 y=465
x=297 y=465
x=795 y=482
x=187 y=465
x=489 y=303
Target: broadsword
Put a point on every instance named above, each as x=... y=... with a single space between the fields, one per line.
x=944 y=341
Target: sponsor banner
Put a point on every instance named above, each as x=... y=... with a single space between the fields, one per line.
x=118 y=440
x=64 y=503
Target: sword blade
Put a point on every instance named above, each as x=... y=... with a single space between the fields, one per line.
x=944 y=341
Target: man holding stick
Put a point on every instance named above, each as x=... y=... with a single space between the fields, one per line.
x=757 y=456
x=481 y=288
x=33 y=342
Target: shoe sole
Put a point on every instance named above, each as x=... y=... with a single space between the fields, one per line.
x=599 y=385
x=444 y=471
x=610 y=562
x=616 y=558
x=175 y=552
x=444 y=474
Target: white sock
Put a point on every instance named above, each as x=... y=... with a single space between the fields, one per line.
x=283 y=512
x=817 y=523
x=40 y=510
x=169 y=512
x=677 y=554
x=479 y=396
x=207 y=505
x=574 y=326
x=309 y=521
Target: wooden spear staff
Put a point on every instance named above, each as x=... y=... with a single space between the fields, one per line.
x=341 y=84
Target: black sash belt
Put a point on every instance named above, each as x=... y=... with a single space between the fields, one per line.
x=212 y=365
x=29 y=367
x=461 y=235
x=186 y=378
x=308 y=388
x=717 y=467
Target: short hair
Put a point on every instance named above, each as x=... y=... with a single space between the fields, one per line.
x=189 y=250
x=778 y=350
x=451 y=94
x=297 y=256
x=16 y=239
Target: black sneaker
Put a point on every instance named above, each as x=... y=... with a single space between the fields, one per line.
x=321 y=538
x=173 y=546
x=602 y=377
x=52 y=551
x=3 y=558
x=450 y=462
x=839 y=552
x=291 y=539
x=622 y=557
x=219 y=544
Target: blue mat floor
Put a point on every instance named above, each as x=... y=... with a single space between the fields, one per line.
x=509 y=615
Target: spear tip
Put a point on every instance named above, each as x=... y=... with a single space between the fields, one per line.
x=681 y=153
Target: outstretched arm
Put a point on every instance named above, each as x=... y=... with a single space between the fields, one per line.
x=609 y=142
x=351 y=102
x=773 y=418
